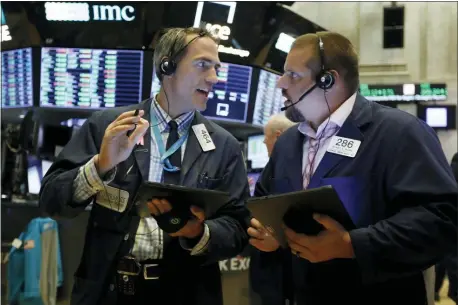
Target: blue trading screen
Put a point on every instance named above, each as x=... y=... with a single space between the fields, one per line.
x=228 y=100
x=90 y=78
x=269 y=98
x=17 y=83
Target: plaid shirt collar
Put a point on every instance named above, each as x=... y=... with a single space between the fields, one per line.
x=183 y=121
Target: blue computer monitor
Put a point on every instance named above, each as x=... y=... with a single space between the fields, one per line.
x=269 y=98
x=90 y=78
x=17 y=78
x=228 y=101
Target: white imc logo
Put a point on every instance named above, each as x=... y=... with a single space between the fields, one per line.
x=68 y=11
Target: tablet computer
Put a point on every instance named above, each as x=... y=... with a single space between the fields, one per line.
x=180 y=197
x=296 y=210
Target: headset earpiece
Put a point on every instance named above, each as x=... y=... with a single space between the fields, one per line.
x=325 y=79
x=168 y=66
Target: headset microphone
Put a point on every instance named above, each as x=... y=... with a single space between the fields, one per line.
x=324 y=80
x=302 y=96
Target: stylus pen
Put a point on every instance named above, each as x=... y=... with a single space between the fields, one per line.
x=129 y=132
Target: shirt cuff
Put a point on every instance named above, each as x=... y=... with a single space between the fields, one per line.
x=92 y=176
x=201 y=246
x=88 y=181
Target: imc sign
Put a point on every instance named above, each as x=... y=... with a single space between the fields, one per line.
x=84 y=12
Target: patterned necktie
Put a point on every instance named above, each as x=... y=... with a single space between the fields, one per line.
x=175 y=159
x=314 y=145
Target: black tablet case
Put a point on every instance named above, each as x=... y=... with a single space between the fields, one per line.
x=296 y=211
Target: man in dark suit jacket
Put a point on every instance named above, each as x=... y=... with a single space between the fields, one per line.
x=171 y=257
x=389 y=171
x=454 y=165
x=449 y=265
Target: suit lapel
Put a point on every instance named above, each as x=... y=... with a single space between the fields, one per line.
x=142 y=153
x=193 y=148
x=331 y=160
x=360 y=115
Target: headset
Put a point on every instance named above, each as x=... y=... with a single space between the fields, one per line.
x=168 y=64
x=325 y=79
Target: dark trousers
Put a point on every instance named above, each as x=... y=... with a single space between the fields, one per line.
x=448 y=266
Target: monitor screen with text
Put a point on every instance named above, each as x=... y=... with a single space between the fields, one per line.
x=90 y=78
x=269 y=98
x=17 y=78
x=229 y=98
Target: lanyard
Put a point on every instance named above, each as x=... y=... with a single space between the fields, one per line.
x=160 y=144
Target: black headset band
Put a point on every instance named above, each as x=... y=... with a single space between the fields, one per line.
x=324 y=79
x=168 y=64
x=174 y=56
x=321 y=54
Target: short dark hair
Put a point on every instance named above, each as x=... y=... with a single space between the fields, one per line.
x=174 y=40
x=339 y=55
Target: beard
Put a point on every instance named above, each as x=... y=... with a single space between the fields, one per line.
x=294 y=115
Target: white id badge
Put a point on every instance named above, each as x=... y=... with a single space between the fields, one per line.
x=203 y=137
x=113 y=198
x=344 y=146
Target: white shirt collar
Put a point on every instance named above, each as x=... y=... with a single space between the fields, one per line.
x=338 y=117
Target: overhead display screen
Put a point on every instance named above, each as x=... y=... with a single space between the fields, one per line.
x=90 y=78
x=17 y=82
x=229 y=98
x=404 y=92
x=269 y=98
